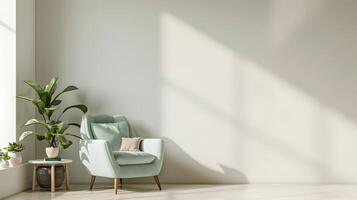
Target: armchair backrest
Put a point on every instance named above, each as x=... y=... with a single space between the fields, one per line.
x=90 y=124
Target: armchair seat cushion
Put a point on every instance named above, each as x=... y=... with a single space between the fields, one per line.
x=133 y=157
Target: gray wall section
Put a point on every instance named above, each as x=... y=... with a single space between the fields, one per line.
x=25 y=67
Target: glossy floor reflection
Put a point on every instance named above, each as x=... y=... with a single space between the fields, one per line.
x=211 y=192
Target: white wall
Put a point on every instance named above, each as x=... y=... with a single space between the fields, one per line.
x=24 y=32
x=241 y=91
x=8 y=70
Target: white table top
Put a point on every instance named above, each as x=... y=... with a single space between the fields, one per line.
x=43 y=162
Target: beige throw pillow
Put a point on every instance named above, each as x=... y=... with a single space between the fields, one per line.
x=130 y=144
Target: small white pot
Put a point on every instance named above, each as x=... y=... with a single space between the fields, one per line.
x=52 y=152
x=4 y=164
x=15 y=158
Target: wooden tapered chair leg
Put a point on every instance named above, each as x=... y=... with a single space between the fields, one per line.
x=116 y=183
x=92 y=180
x=121 y=183
x=157 y=182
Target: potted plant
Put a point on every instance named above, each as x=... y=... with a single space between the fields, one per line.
x=4 y=159
x=14 y=150
x=47 y=104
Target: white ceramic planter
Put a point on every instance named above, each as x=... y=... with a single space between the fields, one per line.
x=4 y=164
x=15 y=158
x=52 y=152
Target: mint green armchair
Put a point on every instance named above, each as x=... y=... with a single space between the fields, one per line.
x=99 y=151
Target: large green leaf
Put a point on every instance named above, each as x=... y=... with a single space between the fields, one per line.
x=25 y=97
x=39 y=90
x=56 y=102
x=67 y=89
x=51 y=86
x=65 y=146
x=48 y=136
x=64 y=142
x=64 y=128
x=73 y=135
x=40 y=137
x=49 y=90
x=74 y=124
x=26 y=134
x=36 y=121
x=61 y=138
x=81 y=107
x=49 y=111
x=40 y=106
x=46 y=98
x=57 y=127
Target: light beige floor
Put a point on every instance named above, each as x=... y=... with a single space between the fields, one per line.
x=196 y=192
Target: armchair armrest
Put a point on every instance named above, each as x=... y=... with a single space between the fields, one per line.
x=96 y=156
x=153 y=146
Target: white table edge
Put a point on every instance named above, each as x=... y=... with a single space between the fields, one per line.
x=42 y=162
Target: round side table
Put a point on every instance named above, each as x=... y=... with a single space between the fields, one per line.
x=52 y=164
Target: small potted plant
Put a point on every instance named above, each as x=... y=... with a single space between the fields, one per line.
x=14 y=151
x=4 y=159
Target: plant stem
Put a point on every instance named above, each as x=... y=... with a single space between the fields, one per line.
x=53 y=142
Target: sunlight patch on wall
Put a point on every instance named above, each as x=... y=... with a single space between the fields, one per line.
x=224 y=109
x=190 y=61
